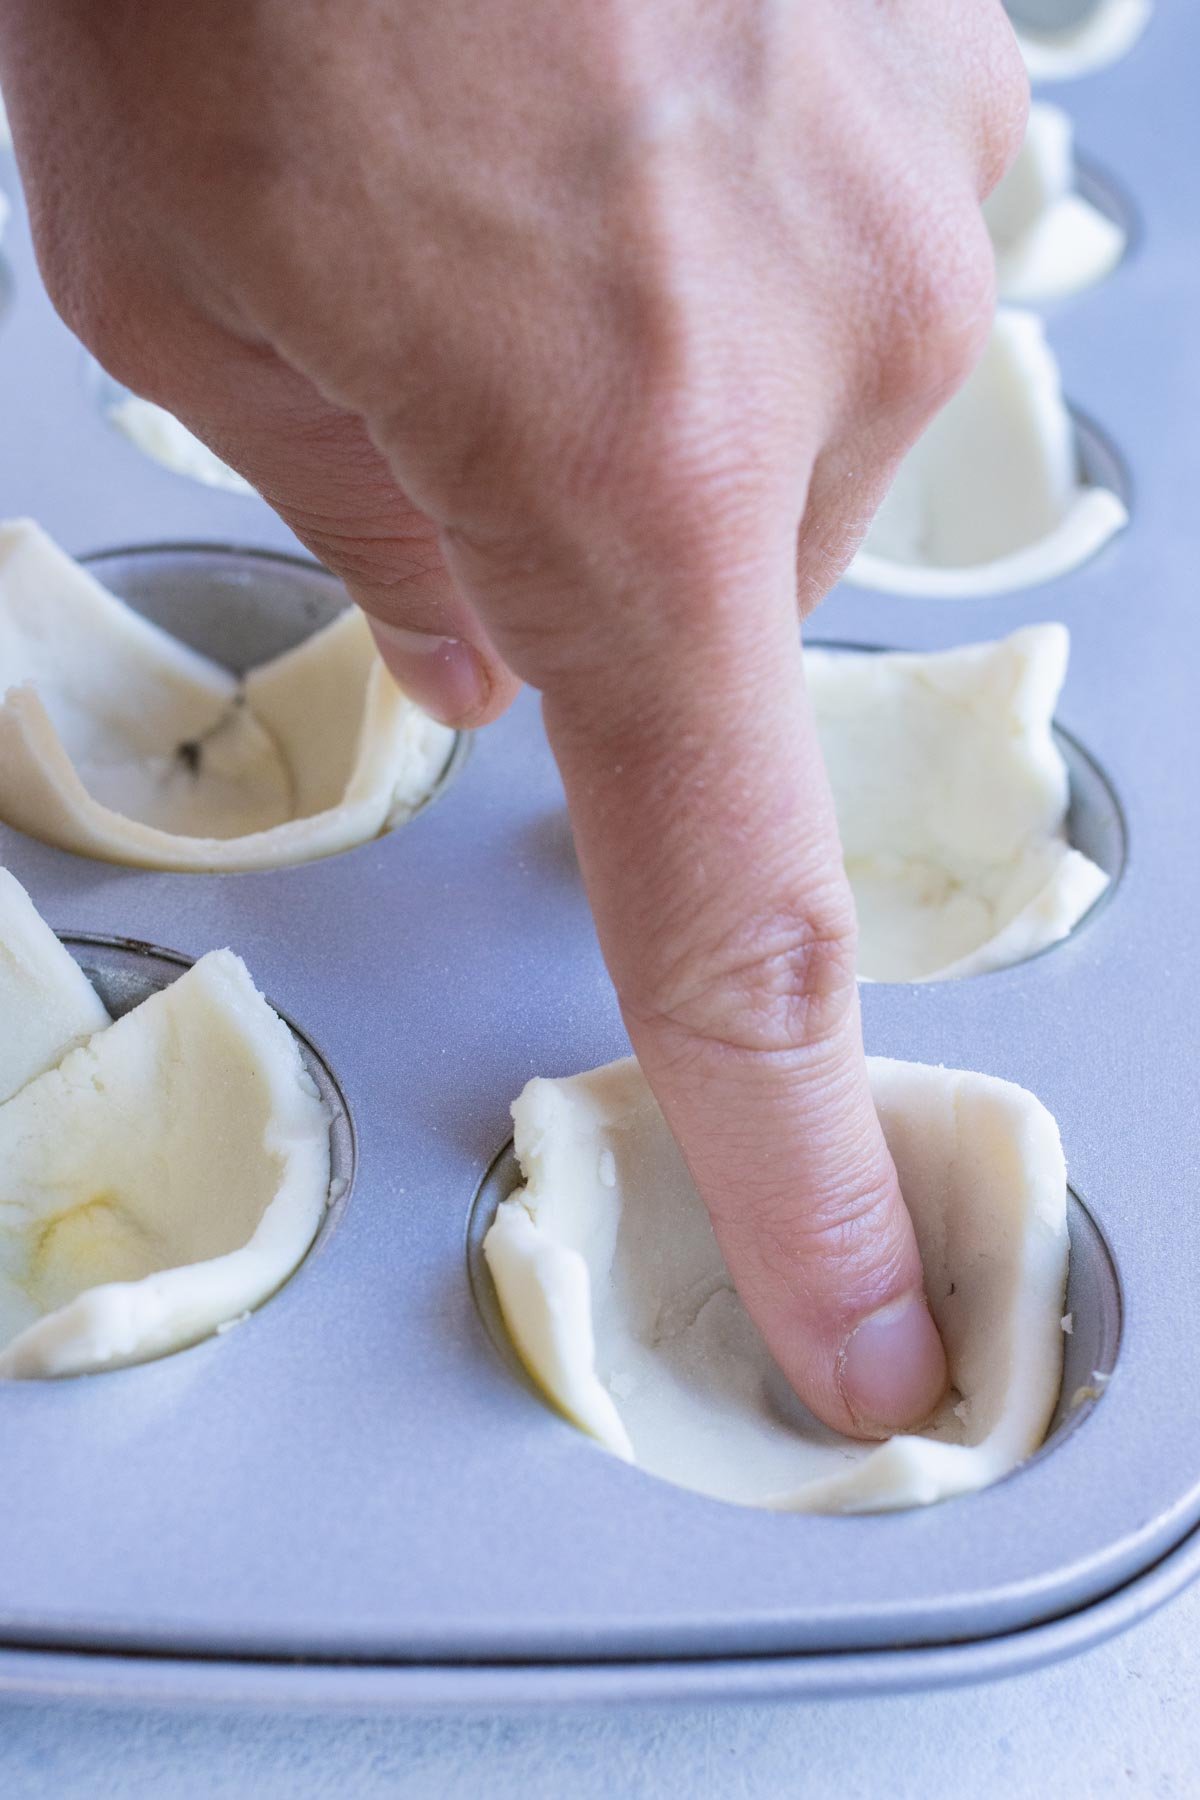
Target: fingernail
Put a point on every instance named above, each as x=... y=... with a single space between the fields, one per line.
x=442 y=674
x=892 y=1369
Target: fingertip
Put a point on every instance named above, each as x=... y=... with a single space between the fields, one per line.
x=446 y=676
x=891 y=1370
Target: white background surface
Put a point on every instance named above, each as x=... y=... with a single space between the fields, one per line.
x=1121 y=1720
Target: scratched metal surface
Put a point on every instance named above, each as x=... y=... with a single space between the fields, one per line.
x=356 y=1474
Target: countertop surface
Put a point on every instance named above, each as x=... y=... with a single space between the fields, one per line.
x=1121 y=1720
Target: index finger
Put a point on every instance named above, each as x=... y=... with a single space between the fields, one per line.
x=709 y=848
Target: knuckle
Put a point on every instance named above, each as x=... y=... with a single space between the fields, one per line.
x=92 y=302
x=842 y=1240
x=941 y=305
x=772 y=986
x=123 y=318
x=1002 y=138
x=1005 y=110
x=388 y=563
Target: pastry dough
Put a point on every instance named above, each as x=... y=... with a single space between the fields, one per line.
x=1049 y=241
x=1101 y=37
x=621 y=1308
x=47 y=1003
x=990 y=498
x=157 y=1180
x=117 y=741
x=951 y=801
x=159 y=435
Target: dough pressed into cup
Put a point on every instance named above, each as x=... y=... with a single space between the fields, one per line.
x=990 y=499
x=1049 y=240
x=620 y=1305
x=118 y=741
x=952 y=799
x=47 y=1004
x=1105 y=33
x=159 y=1178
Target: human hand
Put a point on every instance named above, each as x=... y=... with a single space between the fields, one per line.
x=582 y=342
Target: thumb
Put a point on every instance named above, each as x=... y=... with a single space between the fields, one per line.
x=708 y=844
x=316 y=465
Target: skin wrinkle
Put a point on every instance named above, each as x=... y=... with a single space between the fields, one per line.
x=796 y=892
x=802 y=1268
x=589 y=336
x=765 y=999
x=764 y=1199
x=794 y=1075
x=389 y=562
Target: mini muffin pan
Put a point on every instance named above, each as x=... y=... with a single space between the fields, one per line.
x=355 y=1497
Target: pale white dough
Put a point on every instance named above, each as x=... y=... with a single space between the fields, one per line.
x=1101 y=37
x=117 y=741
x=159 y=1179
x=1049 y=241
x=47 y=1003
x=951 y=800
x=990 y=498
x=621 y=1307
x=159 y=435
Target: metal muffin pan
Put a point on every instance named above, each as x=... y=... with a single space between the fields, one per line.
x=355 y=1478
